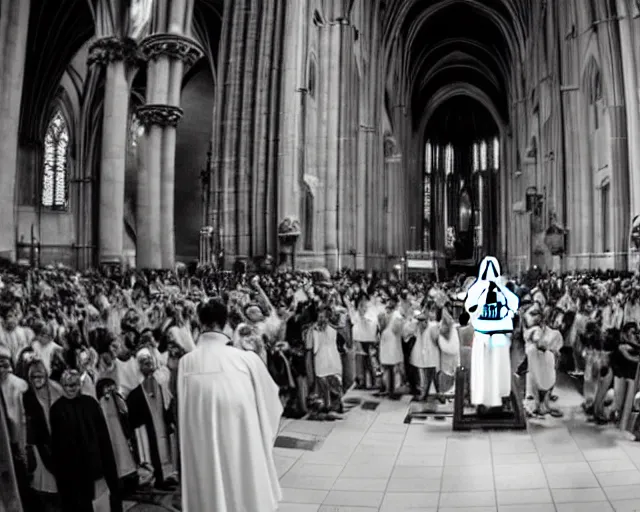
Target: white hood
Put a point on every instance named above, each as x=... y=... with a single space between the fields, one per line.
x=489 y=269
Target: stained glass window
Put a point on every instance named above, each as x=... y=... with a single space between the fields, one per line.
x=56 y=150
x=476 y=157
x=483 y=155
x=448 y=155
x=427 y=158
x=496 y=153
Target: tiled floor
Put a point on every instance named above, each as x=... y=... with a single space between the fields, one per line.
x=372 y=462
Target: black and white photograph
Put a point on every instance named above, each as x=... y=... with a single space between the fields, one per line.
x=320 y=256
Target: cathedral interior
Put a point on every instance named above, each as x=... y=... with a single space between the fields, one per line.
x=373 y=127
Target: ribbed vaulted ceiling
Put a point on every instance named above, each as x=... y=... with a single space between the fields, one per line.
x=458 y=47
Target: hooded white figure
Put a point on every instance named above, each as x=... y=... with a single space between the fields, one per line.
x=491 y=307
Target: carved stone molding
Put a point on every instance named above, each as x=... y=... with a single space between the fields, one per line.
x=159 y=115
x=111 y=49
x=173 y=46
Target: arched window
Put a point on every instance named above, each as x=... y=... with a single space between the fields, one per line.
x=496 y=153
x=596 y=96
x=56 y=152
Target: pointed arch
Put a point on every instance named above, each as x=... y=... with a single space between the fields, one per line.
x=593 y=89
x=55 y=187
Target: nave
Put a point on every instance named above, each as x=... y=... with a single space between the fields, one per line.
x=372 y=462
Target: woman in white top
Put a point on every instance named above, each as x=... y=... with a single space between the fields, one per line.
x=364 y=332
x=391 y=323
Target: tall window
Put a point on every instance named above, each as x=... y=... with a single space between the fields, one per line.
x=307 y=217
x=483 y=155
x=448 y=165
x=436 y=159
x=604 y=217
x=596 y=96
x=428 y=162
x=476 y=157
x=496 y=153
x=426 y=200
x=56 y=151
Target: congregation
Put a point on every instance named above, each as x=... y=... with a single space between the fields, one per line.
x=89 y=361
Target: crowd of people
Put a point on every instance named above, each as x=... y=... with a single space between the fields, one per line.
x=89 y=361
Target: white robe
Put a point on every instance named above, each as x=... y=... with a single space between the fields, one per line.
x=229 y=413
x=490 y=358
x=490 y=369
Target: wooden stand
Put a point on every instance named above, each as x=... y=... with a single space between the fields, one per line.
x=492 y=419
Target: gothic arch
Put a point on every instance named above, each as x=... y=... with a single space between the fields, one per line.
x=49 y=53
x=462 y=89
x=592 y=81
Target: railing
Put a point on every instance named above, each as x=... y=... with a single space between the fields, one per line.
x=36 y=254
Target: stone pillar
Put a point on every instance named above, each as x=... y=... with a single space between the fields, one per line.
x=168 y=55
x=247 y=110
x=392 y=172
x=13 y=46
x=365 y=135
x=631 y=100
x=115 y=55
x=331 y=56
x=620 y=200
x=154 y=183
x=294 y=89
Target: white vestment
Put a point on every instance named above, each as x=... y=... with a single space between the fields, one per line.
x=490 y=370
x=490 y=357
x=229 y=413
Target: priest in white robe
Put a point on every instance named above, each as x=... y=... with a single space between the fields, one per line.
x=491 y=306
x=229 y=413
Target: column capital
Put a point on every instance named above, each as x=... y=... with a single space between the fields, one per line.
x=174 y=46
x=111 y=49
x=159 y=115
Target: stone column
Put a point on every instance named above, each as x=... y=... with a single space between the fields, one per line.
x=392 y=171
x=620 y=200
x=13 y=46
x=153 y=184
x=365 y=135
x=331 y=56
x=294 y=89
x=168 y=56
x=115 y=54
x=629 y=73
